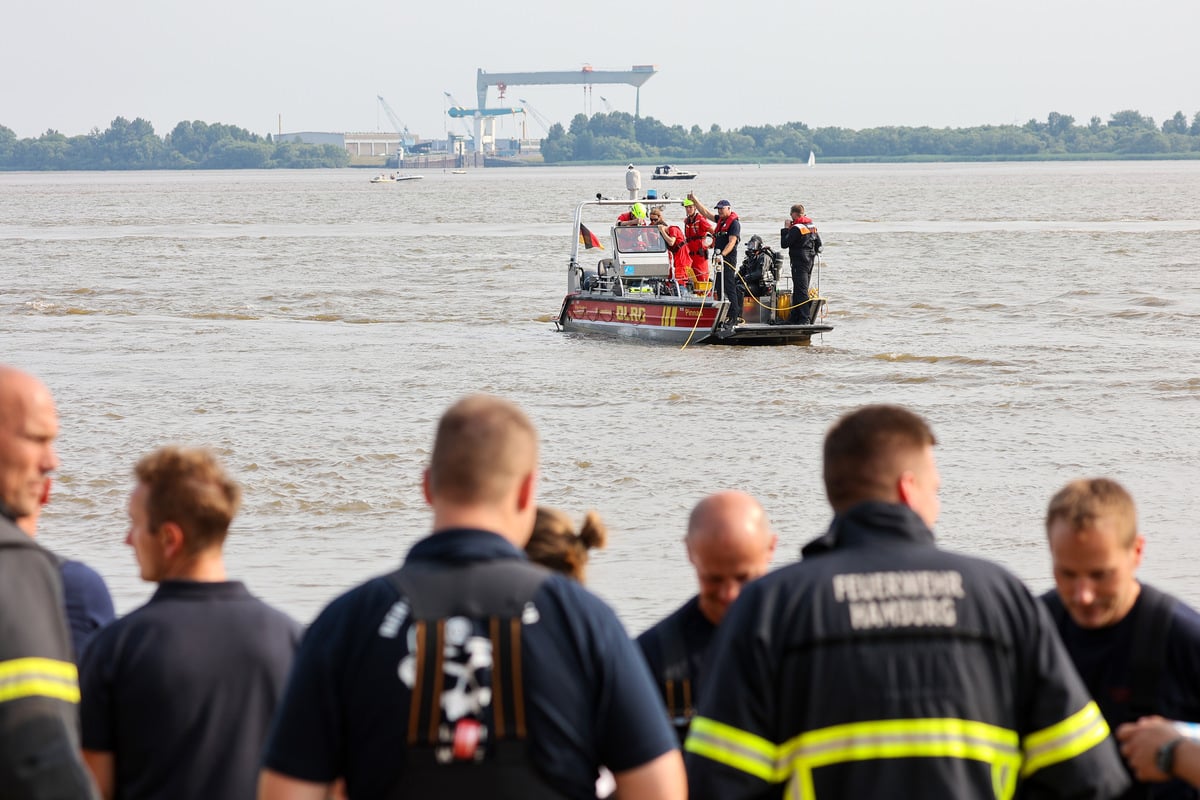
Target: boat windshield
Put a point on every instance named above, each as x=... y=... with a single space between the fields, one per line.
x=640 y=239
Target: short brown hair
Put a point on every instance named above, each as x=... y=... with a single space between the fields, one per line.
x=189 y=487
x=865 y=452
x=555 y=544
x=484 y=446
x=798 y=209
x=1080 y=503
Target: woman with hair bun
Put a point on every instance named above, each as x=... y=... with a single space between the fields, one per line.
x=556 y=546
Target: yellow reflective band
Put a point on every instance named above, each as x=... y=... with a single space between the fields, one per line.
x=38 y=677
x=1064 y=740
x=904 y=738
x=735 y=748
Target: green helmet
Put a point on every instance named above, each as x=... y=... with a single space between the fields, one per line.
x=639 y=211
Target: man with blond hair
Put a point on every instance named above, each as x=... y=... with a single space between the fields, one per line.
x=470 y=672
x=39 y=686
x=1136 y=648
x=883 y=666
x=179 y=694
x=730 y=543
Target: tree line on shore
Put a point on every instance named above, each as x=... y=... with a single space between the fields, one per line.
x=619 y=136
x=190 y=145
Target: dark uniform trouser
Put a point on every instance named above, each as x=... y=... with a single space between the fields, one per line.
x=731 y=290
x=801 y=313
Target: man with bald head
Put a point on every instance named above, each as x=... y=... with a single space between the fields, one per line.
x=729 y=542
x=39 y=686
x=470 y=672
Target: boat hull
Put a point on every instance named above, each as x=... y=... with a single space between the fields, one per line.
x=672 y=320
x=672 y=177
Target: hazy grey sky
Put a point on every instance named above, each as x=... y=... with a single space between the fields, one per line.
x=73 y=65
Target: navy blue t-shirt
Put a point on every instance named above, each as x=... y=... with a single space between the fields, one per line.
x=89 y=605
x=182 y=691
x=1103 y=658
x=589 y=698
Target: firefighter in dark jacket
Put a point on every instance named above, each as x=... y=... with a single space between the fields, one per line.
x=39 y=686
x=882 y=666
x=802 y=241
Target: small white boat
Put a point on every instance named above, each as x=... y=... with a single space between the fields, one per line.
x=812 y=158
x=394 y=178
x=669 y=173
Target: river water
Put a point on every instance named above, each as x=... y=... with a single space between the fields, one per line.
x=312 y=327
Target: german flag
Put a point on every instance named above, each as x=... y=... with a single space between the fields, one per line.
x=588 y=239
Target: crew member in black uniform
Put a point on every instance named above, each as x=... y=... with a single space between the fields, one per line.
x=727 y=232
x=471 y=672
x=729 y=542
x=881 y=666
x=802 y=241
x=39 y=686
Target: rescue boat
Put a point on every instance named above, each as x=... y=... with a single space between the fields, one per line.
x=632 y=292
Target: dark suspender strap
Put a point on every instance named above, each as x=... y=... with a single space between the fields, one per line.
x=508 y=698
x=414 y=709
x=514 y=641
x=434 y=695
x=677 y=669
x=505 y=587
x=500 y=693
x=1148 y=662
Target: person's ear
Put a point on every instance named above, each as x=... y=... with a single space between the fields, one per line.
x=171 y=540
x=425 y=488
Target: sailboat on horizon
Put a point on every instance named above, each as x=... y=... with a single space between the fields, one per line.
x=812 y=158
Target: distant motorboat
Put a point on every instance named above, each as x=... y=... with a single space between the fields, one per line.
x=394 y=178
x=669 y=173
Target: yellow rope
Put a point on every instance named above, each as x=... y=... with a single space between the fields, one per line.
x=696 y=324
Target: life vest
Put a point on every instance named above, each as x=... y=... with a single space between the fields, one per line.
x=721 y=229
x=696 y=228
x=467 y=734
x=680 y=257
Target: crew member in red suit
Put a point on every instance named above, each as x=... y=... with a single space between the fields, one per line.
x=675 y=244
x=695 y=230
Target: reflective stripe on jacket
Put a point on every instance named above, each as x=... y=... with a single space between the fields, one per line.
x=881 y=665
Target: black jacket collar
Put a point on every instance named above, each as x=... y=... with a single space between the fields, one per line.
x=868 y=523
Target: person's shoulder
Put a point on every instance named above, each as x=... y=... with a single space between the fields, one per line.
x=1185 y=621
x=19 y=546
x=374 y=594
x=79 y=574
x=676 y=619
x=271 y=615
x=578 y=609
x=572 y=596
